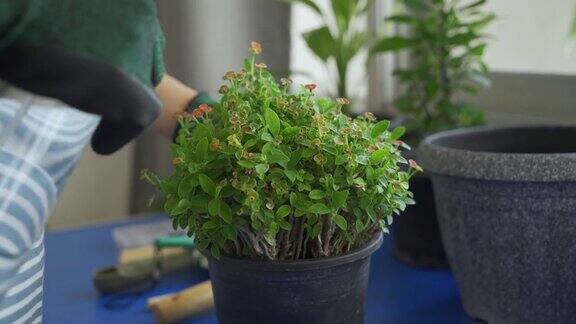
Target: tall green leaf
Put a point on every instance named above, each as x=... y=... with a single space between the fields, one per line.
x=343 y=10
x=321 y=42
x=393 y=43
x=272 y=121
x=207 y=184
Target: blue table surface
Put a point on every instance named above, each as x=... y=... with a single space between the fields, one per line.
x=396 y=294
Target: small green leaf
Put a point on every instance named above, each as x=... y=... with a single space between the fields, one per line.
x=229 y=232
x=397 y=133
x=377 y=156
x=359 y=226
x=290 y=174
x=214 y=207
x=339 y=198
x=341 y=222
x=262 y=168
x=225 y=212
x=340 y=159
x=246 y=164
x=319 y=208
x=202 y=149
x=293 y=199
x=316 y=194
x=249 y=143
x=291 y=131
x=215 y=251
x=207 y=184
x=285 y=225
x=210 y=224
x=267 y=137
x=283 y=211
x=294 y=159
x=181 y=207
x=272 y=121
x=277 y=156
x=379 y=128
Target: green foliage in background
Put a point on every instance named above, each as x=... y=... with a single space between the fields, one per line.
x=267 y=174
x=446 y=46
x=339 y=39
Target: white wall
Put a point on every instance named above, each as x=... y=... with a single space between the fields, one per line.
x=97 y=191
x=531 y=36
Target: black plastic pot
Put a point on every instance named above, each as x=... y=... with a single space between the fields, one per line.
x=416 y=233
x=316 y=291
x=506 y=203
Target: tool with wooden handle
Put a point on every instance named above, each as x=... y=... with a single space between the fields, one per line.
x=144 y=271
x=187 y=303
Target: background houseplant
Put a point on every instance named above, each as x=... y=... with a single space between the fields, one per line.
x=339 y=39
x=445 y=45
x=267 y=179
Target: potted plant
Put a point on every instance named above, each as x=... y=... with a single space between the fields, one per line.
x=446 y=45
x=506 y=205
x=287 y=196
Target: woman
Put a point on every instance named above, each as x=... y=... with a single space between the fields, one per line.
x=104 y=59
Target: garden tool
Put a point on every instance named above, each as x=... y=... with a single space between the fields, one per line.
x=172 y=308
x=143 y=274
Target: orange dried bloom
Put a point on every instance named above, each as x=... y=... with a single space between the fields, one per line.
x=205 y=108
x=414 y=165
x=198 y=113
x=177 y=160
x=215 y=145
x=369 y=116
x=255 y=47
x=311 y=87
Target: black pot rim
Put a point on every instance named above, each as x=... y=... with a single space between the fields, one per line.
x=438 y=155
x=301 y=265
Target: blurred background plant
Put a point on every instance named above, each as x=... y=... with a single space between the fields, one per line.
x=340 y=38
x=446 y=46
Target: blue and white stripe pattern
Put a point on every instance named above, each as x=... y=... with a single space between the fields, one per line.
x=35 y=162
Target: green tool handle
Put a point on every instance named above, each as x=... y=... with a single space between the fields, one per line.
x=182 y=241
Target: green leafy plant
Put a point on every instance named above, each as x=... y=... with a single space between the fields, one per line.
x=340 y=37
x=446 y=49
x=273 y=175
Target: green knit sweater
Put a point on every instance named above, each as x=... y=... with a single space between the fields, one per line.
x=124 y=33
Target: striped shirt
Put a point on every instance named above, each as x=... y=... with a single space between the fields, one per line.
x=36 y=158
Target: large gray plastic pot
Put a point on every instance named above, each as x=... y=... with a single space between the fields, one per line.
x=506 y=202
